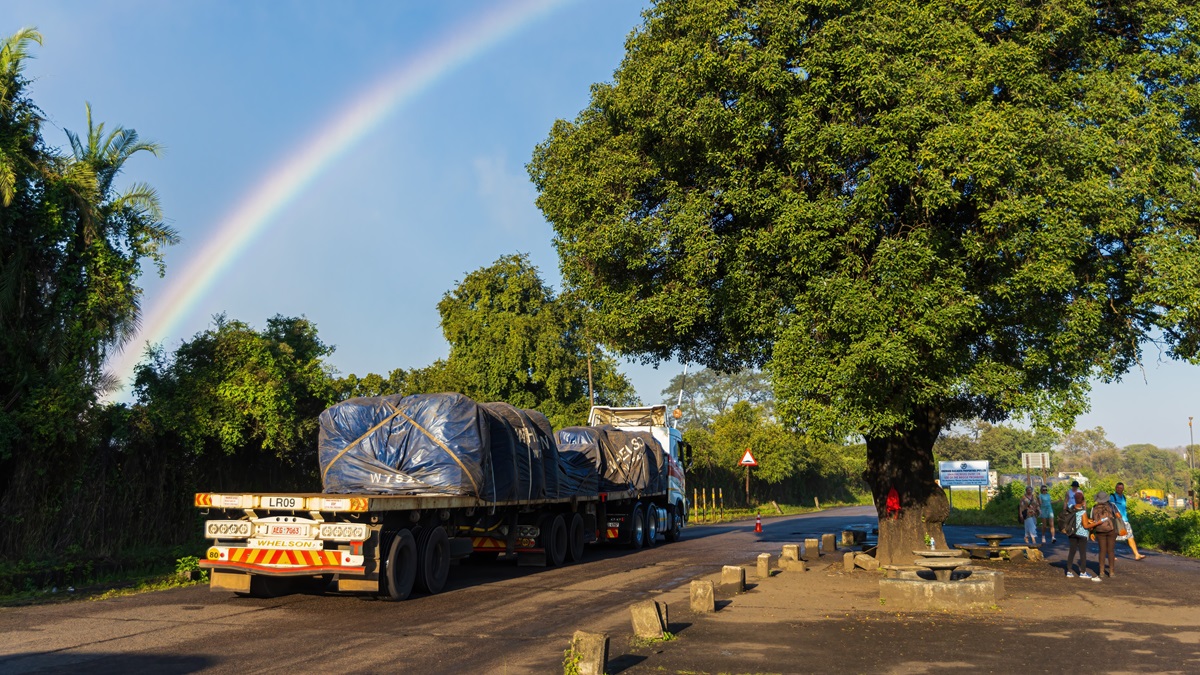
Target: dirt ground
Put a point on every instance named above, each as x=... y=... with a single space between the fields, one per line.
x=1146 y=618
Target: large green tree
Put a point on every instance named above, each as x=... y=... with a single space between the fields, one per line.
x=235 y=391
x=513 y=339
x=910 y=212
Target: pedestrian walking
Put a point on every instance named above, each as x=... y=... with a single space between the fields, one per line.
x=1118 y=500
x=1078 y=538
x=1046 y=514
x=1107 y=524
x=1030 y=508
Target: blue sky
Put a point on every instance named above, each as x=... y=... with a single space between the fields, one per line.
x=231 y=89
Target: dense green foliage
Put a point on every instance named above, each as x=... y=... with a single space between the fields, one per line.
x=72 y=243
x=966 y=208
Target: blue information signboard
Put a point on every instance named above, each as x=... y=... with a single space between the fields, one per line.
x=963 y=474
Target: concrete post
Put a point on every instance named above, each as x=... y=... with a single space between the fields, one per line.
x=848 y=561
x=764 y=565
x=828 y=545
x=704 y=597
x=647 y=620
x=591 y=652
x=733 y=578
x=790 y=552
x=866 y=562
x=812 y=550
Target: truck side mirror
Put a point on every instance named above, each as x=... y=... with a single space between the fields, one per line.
x=685 y=455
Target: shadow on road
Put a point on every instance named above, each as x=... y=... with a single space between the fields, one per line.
x=104 y=663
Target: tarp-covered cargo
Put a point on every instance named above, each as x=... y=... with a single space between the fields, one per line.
x=429 y=443
x=624 y=459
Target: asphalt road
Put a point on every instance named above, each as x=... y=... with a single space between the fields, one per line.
x=490 y=618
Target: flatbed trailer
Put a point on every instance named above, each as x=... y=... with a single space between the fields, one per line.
x=262 y=543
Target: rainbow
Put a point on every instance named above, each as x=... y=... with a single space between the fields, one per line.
x=287 y=180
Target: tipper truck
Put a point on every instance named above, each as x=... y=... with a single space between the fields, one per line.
x=402 y=528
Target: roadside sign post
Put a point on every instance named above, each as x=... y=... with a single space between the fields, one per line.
x=748 y=461
x=1035 y=460
x=964 y=474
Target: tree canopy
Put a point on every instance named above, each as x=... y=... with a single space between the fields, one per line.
x=910 y=213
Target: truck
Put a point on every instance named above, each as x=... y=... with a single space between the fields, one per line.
x=264 y=544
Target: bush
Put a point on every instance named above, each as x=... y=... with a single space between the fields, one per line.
x=1001 y=511
x=1167 y=530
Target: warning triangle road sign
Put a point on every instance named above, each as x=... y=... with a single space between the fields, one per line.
x=748 y=459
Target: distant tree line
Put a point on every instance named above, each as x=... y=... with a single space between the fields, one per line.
x=1087 y=451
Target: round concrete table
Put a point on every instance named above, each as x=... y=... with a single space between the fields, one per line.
x=993 y=540
x=937 y=553
x=942 y=567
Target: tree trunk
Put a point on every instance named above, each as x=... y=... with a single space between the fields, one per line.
x=904 y=460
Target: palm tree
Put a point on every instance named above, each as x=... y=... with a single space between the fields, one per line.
x=114 y=231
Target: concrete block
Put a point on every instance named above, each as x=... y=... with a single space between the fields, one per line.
x=790 y=552
x=1015 y=553
x=852 y=538
x=866 y=562
x=704 y=597
x=828 y=545
x=764 y=565
x=648 y=620
x=733 y=578
x=812 y=549
x=789 y=565
x=591 y=650
x=919 y=594
x=848 y=561
x=996 y=577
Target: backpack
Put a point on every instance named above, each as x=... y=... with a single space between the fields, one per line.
x=1102 y=513
x=1066 y=522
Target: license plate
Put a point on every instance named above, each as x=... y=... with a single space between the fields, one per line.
x=283 y=502
x=297 y=530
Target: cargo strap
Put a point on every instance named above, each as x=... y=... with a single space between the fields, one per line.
x=443 y=446
x=358 y=440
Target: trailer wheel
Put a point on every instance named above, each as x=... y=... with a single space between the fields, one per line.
x=401 y=564
x=577 y=535
x=637 y=528
x=651 y=525
x=675 y=530
x=554 y=540
x=433 y=559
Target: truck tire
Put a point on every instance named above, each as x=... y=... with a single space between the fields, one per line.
x=576 y=537
x=651 y=525
x=637 y=528
x=400 y=568
x=433 y=559
x=675 y=528
x=554 y=540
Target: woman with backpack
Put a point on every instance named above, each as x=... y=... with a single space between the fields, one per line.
x=1108 y=525
x=1078 y=530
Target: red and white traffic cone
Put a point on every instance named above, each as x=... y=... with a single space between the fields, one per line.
x=758 y=523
